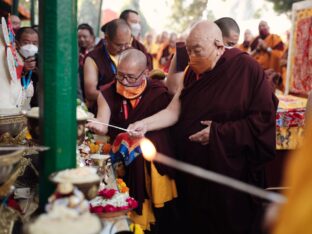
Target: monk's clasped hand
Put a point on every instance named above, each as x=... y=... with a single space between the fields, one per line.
x=203 y=135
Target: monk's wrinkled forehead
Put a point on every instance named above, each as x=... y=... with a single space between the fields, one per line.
x=196 y=41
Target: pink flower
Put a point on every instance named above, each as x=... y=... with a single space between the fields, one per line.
x=107 y=193
x=96 y=209
x=109 y=208
x=132 y=203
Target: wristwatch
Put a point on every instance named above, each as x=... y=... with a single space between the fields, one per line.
x=269 y=49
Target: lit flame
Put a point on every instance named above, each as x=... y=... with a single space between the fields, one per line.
x=148 y=149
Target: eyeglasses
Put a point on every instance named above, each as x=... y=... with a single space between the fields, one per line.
x=130 y=78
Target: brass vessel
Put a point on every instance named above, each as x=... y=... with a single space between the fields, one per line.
x=8 y=160
x=12 y=124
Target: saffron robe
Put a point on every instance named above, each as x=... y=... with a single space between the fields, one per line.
x=237 y=98
x=245 y=46
x=269 y=59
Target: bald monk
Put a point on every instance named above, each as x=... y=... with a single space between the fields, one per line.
x=131 y=97
x=230 y=35
x=100 y=64
x=248 y=38
x=267 y=48
x=224 y=116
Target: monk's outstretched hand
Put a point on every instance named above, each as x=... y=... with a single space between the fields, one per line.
x=203 y=135
x=96 y=128
x=137 y=129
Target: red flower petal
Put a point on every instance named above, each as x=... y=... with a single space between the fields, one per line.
x=132 y=203
x=109 y=208
x=107 y=193
x=96 y=209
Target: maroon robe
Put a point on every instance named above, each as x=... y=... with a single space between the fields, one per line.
x=154 y=98
x=236 y=97
x=106 y=67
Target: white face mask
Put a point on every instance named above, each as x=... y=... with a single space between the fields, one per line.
x=28 y=50
x=228 y=47
x=135 y=29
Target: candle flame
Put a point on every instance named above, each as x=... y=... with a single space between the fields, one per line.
x=148 y=149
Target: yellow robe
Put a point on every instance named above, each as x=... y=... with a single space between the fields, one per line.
x=161 y=189
x=153 y=50
x=296 y=215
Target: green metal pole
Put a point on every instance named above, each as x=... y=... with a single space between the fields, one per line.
x=32 y=12
x=58 y=79
x=15 y=7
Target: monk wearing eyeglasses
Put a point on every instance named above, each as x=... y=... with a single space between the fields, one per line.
x=131 y=97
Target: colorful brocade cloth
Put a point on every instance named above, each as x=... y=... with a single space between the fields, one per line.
x=290 y=122
x=125 y=149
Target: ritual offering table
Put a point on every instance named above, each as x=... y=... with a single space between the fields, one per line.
x=290 y=118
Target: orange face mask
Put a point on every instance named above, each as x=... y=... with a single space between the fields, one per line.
x=200 y=64
x=131 y=92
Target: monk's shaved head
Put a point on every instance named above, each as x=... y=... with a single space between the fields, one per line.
x=263 y=25
x=132 y=68
x=264 y=29
x=205 y=30
x=133 y=58
x=204 y=46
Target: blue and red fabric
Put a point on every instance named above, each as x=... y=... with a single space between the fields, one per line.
x=125 y=149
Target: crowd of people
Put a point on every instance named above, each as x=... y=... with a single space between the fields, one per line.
x=200 y=98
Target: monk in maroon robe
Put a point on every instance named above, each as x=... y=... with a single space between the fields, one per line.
x=129 y=98
x=225 y=122
x=100 y=64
